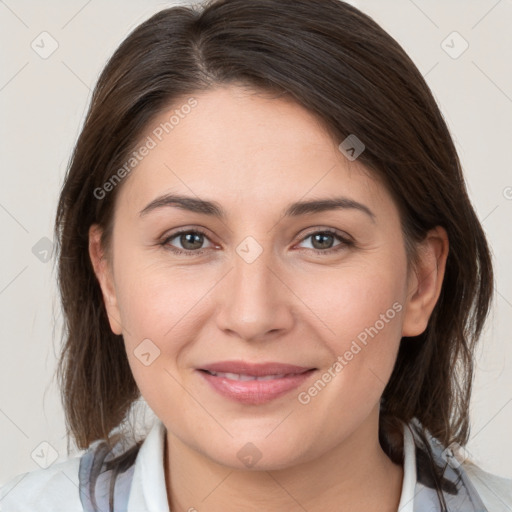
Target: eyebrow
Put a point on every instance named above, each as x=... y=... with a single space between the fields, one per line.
x=296 y=209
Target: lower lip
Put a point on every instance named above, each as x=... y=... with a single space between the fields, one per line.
x=255 y=392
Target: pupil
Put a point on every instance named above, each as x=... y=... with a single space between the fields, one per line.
x=324 y=236
x=188 y=239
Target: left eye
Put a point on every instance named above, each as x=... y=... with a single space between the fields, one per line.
x=322 y=241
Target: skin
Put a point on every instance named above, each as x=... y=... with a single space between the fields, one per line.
x=255 y=155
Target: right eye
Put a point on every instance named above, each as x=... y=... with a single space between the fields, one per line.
x=189 y=239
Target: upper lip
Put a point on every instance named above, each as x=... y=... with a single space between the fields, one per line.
x=255 y=369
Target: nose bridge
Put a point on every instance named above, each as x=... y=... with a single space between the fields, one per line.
x=252 y=268
x=254 y=300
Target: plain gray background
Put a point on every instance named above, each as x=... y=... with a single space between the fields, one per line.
x=42 y=104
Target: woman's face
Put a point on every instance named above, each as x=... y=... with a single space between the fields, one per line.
x=263 y=283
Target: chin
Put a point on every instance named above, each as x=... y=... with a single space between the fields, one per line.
x=257 y=455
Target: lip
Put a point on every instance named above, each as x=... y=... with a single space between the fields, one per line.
x=255 y=392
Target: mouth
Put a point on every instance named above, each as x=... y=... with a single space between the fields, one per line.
x=246 y=378
x=254 y=384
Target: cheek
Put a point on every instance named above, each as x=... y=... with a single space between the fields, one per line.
x=362 y=308
x=156 y=299
x=162 y=313
x=359 y=312
x=159 y=320
x=372 y=303
x=349 y=300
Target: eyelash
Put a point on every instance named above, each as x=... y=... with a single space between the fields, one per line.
x=345 y=242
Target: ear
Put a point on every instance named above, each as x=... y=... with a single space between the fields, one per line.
x=104 y=274
x=425 y=281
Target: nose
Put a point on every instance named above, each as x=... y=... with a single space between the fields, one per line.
x=255 y=302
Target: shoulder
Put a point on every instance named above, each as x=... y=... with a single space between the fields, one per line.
x=70 y=484
x=488 y=490
x=495 y=491
x=54 y=489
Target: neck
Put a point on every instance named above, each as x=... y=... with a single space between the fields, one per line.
x=355 y=475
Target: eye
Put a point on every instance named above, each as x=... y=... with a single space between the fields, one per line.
x=190 y=240
x=322 y=241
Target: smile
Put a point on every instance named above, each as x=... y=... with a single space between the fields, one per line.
x=254 y=389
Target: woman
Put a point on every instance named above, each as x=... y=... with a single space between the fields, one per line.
x=265 y=234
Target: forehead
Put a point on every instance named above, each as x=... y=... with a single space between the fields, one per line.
x=245 y=148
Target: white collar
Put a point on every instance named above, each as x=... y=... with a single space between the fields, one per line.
x=148 y=490
x=409 y=482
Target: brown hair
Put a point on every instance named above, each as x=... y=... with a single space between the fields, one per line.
x=340 y=65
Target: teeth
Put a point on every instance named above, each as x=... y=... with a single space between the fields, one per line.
x=236 y=376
